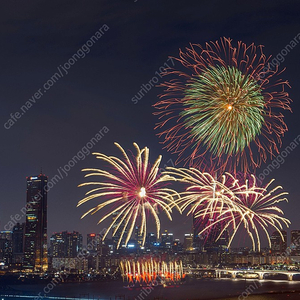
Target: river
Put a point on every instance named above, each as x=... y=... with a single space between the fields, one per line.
x=191 y=290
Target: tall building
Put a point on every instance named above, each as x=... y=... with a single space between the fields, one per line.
x=94 y=241
x=224 y=241
x=57 y=245
x=91 y=240
x=167 y=239
x=116 y=218
x=188 y=242
x=278 y=245
x=74 y=241
x=195 y=227
x=18 y=242
x=138 y=236
x=216 y=240
x=6 y=250
x=35 y=243
x=151 y=240
x=65 y=244
x=6 y=235
x=196 y=230
x=295 y=240
x=177 y=246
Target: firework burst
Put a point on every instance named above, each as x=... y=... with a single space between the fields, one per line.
x=258 y=212
x=211 y=201
x=151 y=271
x=224 y=110
x=228 y=204
x=204 y=190
x=132 y=189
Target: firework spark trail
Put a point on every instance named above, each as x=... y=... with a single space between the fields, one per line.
x=215 y=114
x=150 y=271
x=231 y=203
x=133 y=188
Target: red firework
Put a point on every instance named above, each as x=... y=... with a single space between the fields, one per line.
x=223 y=112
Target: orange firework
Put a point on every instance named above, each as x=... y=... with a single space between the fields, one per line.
x=151 y=271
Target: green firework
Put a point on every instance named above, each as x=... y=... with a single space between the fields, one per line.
x=223 y=109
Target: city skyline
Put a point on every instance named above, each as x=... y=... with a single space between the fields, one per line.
x=66 y=250
x=26 y=209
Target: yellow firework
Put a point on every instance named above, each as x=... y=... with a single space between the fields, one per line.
x=132 y=189
x=231 y=203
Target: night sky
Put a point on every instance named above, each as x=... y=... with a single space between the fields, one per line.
x=39 y=36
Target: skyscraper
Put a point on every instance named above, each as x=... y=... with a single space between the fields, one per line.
x=167 y=239
x=138 y=236
x=197 y=241
x=18 y=242
x=57 y=245
x=151 y=240
x=6 y=235
x=119 y=228
x=65 y=244
x=295 y=239
x=6 y=251
x=216 y=239
x=278 y=245
x=188 y=242
x=91 y=240
x=94 y=241
x=74 y=241
x=35 y=244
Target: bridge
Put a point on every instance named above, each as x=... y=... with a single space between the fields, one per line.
x=246 y=273
x=259 y=273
